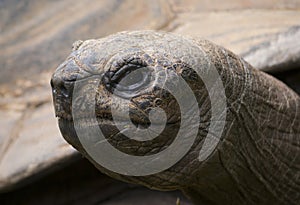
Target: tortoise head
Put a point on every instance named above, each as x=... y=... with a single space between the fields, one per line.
x=135 y=100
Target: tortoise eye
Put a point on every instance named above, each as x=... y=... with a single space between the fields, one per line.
x=128 y=80
x=132 y=78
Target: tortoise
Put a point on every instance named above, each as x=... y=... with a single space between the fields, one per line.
x=261 y=32
x=249 y=124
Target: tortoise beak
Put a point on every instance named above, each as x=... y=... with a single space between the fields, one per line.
x=62 y=98
x=62 y=84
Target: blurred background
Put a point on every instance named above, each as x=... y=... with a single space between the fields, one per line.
x=36 y=165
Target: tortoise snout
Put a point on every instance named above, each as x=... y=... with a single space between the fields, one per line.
x=62 y=96
x=61 y=87
x=63 y=82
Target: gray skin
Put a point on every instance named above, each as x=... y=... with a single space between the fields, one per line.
x=257 y=160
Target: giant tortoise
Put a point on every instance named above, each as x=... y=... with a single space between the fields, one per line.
x=35 y=37
x=230 y=132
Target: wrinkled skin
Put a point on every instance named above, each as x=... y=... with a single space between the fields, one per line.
x=257 y=160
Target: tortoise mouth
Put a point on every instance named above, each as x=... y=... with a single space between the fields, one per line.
x=88 y=121
x=115 y=136
x=69 y=133
x=106 y=126
x=139 y=121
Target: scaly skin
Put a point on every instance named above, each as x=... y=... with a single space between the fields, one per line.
x=257 y=160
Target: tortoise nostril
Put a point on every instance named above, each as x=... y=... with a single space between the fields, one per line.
x=66 y=89
x=51 y=84
x=61 y=87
